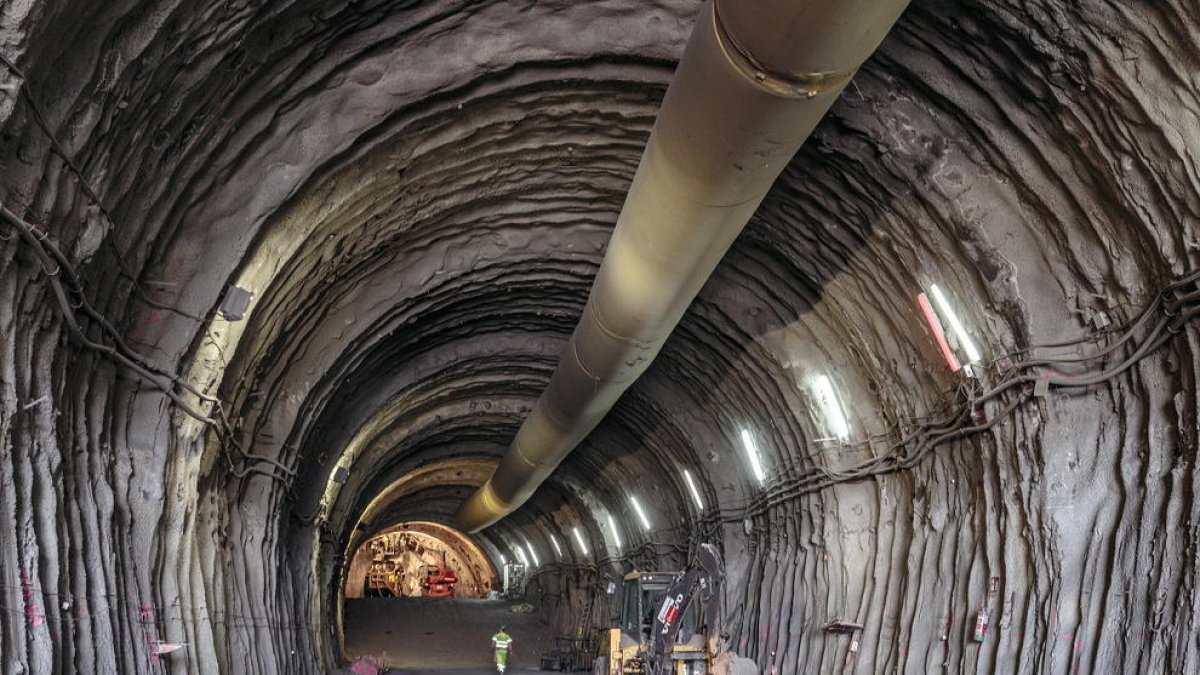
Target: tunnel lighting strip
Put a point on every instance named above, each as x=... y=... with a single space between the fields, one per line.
x=637 y=508
x=939 y=333
x=835 y=417
x=557 y=548
x=752 y=453
x=521 y=556
x=612 y=525
x=579 y=538
x=687 y=476
x=1138 y=340
x=960 y=332
x=532 y=553
x=503 y=560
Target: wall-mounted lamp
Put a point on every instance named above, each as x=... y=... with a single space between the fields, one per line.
x=831 y=408
x=637 y=508
x=579 y=538
x=964 y=340
x=687 y=476
x=612 y=526
x=532 y=553
x=752 y=454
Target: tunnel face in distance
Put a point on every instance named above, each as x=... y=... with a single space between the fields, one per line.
x=419 y=559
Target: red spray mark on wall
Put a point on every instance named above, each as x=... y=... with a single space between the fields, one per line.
x=146 y=614
x=33 y=614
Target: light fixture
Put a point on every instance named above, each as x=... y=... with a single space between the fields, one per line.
x=233 y=307
x=752 y=453
x=687 y=476
x=579 y=538
x=503 y=560
x=612 y=525
x=939 y=334
x=557 y=548
x=521 y=556
x=532 y=553
x=637 y=508
x=835 y=417
x=964 y=340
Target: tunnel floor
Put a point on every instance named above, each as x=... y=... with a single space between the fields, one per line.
x=446 y=636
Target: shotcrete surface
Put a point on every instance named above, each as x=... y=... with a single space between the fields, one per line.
x=418 y=194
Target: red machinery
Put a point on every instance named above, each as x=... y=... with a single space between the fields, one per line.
x=438 y=581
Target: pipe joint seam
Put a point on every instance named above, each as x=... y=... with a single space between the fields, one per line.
x=593 y=309
x=804 y=85
x=522 y=456
x=583 y=366
x=563 y=425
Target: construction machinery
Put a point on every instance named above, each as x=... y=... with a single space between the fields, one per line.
x=381 y=580
x=669 y=622
x=514 y=581
x=437 y=581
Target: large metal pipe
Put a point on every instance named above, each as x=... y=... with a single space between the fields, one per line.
x=755 y=79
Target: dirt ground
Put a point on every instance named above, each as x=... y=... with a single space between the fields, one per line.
x=442 y=636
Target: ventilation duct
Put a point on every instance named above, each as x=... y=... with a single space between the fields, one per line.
x=755 y=79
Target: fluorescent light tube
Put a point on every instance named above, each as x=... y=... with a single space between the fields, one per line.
x=835 y=418
x=612 y=525
x=973 y=355
x=687 y=476
x=579 y=538
x=637 y=508
x=752 y=453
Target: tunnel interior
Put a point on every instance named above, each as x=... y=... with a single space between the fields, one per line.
x=403 y=560
x=280 y=282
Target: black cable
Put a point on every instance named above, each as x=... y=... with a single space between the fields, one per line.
x=1175 y=311
x=49 y=255
x=40 y=122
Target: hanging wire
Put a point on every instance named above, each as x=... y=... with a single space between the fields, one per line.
x=57 y=267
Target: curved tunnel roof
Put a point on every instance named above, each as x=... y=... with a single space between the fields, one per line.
x=418 y=195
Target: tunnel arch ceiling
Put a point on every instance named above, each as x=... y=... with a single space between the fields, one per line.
x=419 y=195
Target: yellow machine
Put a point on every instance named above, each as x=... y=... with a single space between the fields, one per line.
x=669 y=622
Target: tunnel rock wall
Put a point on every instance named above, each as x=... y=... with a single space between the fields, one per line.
x=419 y=194
x=1063 y=522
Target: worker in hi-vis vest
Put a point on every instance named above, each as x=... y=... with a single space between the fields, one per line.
x=502 y=644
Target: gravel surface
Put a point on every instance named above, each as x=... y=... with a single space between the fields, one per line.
x=442 y=635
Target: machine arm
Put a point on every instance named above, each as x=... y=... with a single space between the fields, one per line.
x=702 y=582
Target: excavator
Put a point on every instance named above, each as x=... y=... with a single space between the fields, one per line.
x=669 y=623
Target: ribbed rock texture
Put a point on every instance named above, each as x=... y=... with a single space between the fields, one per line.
x=418 y=195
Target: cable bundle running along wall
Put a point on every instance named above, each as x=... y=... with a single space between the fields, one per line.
x=58 y=267
x=1022 y=379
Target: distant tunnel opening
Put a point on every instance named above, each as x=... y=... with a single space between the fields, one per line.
x=419 y=559
x=419 y=595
